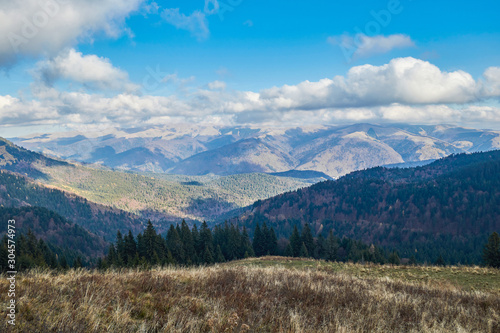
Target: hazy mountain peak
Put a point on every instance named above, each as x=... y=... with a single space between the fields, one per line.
x=202 y=149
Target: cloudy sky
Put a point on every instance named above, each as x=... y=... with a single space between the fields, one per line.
x=72 y=64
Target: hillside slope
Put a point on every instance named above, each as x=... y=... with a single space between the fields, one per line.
x=447 y=207
x=55 y=229
x=19 y=191
x=159 y=197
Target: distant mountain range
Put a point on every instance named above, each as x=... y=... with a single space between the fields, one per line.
x=103 y=200
x=447 y=208
x=203 y=150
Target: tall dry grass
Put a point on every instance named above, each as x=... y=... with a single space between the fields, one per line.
x=243 y=299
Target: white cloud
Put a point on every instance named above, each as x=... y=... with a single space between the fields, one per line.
x=361 y=45
x=89 y=70
x=402 y=80
x=404 y=90
x=196 y=23
x=492 y=84
x=44 y=27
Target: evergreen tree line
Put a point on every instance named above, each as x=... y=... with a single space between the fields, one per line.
x=185 y=246
x=31 y=252
x=182 y=246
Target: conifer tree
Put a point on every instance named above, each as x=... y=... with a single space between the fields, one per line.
x=174 y=244
x=440 y=261
x=220 y=256
x=491 y=251
x=332 y=247
x=206 y=239
x=273 y=242
x=288 y=251
x=208 y=257
x=307 y=238
x=295 y=242
x=258 y=241
x=394 y=258
x=246 y=244
x=120 y=245
x=303 y=251
x=188 y=243
x=130 y=248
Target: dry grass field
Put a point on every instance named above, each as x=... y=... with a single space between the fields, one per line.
x=270 y=294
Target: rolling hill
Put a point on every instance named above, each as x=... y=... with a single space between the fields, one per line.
x=128 y=196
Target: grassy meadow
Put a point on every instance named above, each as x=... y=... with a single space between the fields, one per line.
x=269 y=294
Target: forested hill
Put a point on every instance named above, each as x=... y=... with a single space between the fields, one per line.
x=53 y=229
x=445 y=208
x=19 y=191
x=20 y=160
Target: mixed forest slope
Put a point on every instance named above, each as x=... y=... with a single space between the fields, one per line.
x=445 y=208
x=159 y=197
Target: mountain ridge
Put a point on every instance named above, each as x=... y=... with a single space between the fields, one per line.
x=226 y=150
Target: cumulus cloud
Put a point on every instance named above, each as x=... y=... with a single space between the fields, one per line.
x=492 y=83
x=361 y=45
x=44 y=27
x=196 y=23
x=404 y=90
x=402 y=80
x=90 y=70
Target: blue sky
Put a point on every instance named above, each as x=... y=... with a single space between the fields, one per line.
x=237 y=61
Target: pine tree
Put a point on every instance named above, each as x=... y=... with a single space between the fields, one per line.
x=206 y=239
x=295 y=242
x=246 y=244
x=233 y=243
x=273 y=242
x=332 y=246
x=130 y=248
x=491 y=251
x=394 y=258
x=307 y=238
x=188 y=243
x=288 y=251
x=78 y=262
x=266 y=239
x=303 y=251
x=174 y=244
x=197 y=241
x=258 y=242
x=149 y=239
x=111 y=259
x=208 y=257
x=63 y=262
x=320 y=247
x=440 y=261
x=120 y=246
x=220 y=256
